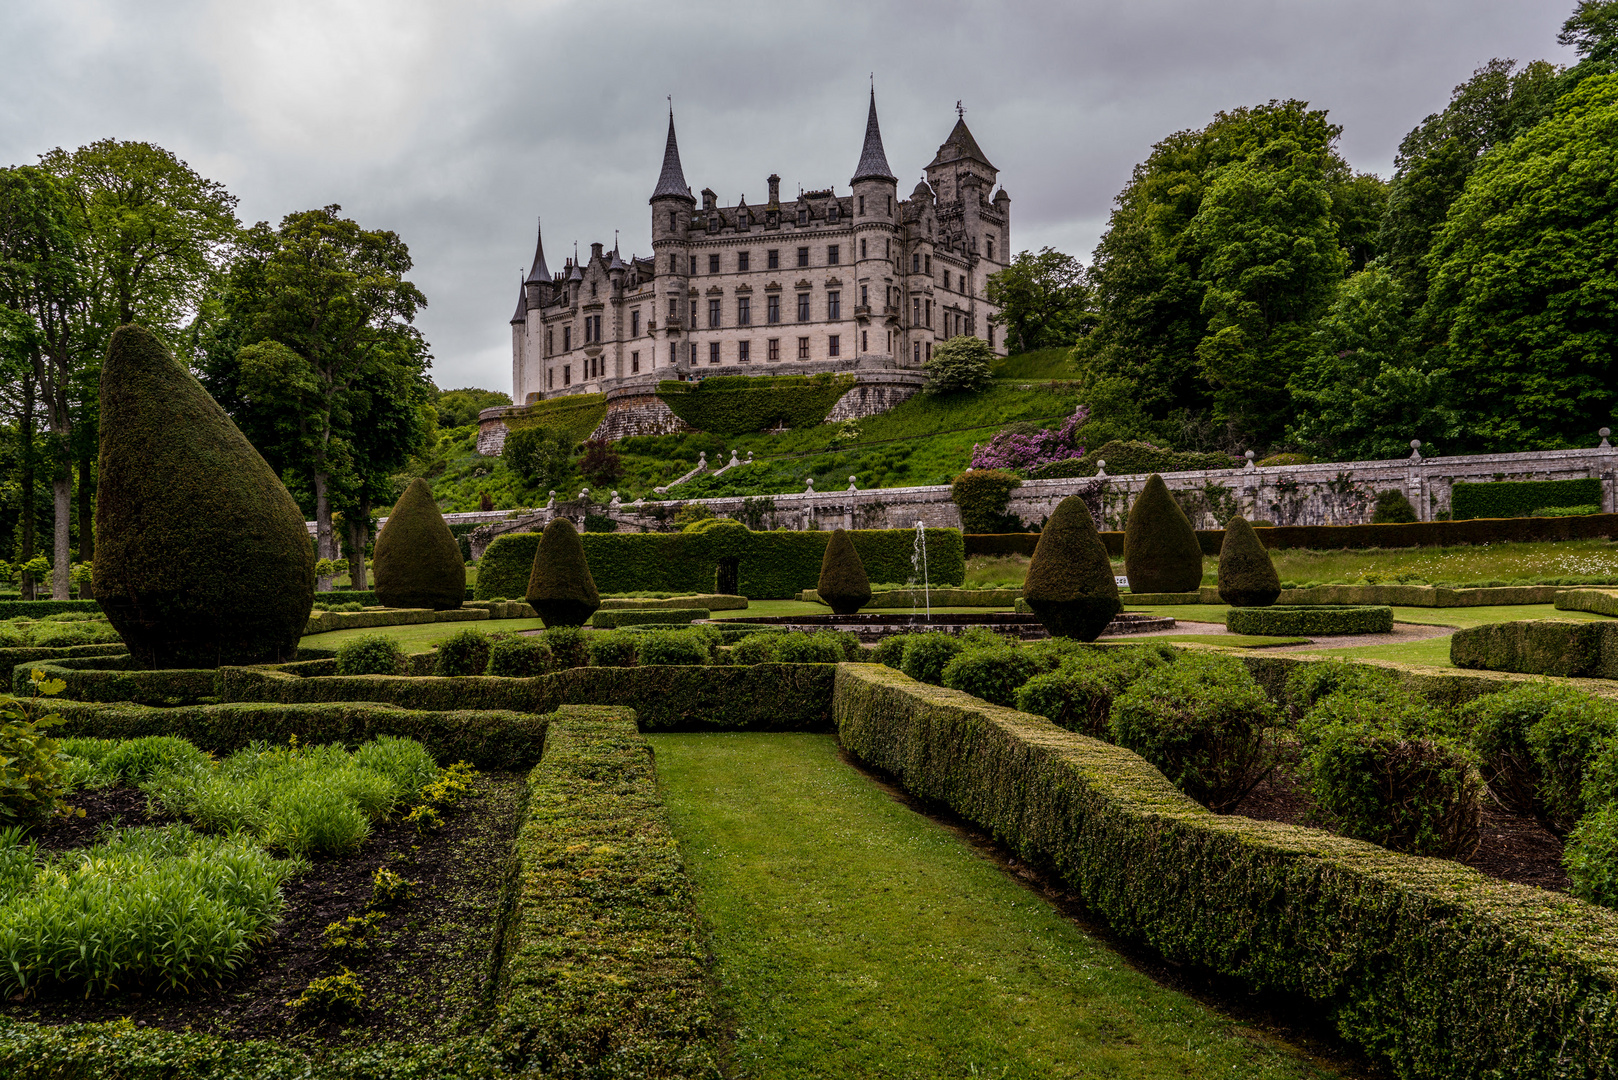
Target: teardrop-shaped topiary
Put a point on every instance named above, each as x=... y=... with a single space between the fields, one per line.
x=843 y=585
x=1247 y=576
x=561 y=588
x=1161 y=552
x=418 y=562
x=1070 y=584
x=202 y=557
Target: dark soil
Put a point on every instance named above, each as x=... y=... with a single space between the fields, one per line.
x=428 y=966
x=1511 y=848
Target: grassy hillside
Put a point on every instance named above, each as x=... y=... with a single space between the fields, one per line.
x=925 y=440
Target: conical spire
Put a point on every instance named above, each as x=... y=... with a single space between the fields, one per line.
x=540 y=271
x=672 y=180
x=873 y=160
x=959 y=145
x=522 y=306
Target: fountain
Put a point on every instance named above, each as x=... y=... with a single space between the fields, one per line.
x=918 y=565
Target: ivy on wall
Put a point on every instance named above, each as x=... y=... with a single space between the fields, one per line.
x=738 y=404
x=1519 y=498
x=575 y=417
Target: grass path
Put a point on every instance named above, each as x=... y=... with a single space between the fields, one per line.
x=855 y=938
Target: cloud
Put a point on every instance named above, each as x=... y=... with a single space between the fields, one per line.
x=456 y=124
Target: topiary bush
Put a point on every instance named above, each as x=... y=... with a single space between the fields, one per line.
x=1070 y=583
x=817 y=648
x=843 y=585
x=1247 y=576
x=370 y=654
x=1308 y=684
x=520 y=658
x=560 y=587
x=981 y=496
x=418 y=564
x=466 y=653
x=994 y=673
x=755 y=649
x=1161 y=550
x=613 y=649
x=1201 y=721
x=925 y=656
x=891 y=650
x=568 y=646
x=1392 y=508
x=201 y=556
x=1564 y=743
x=1499 y=724
x=1311 y=619
x=661 y=647
x=1591 y=856
x=1381 y=769
x=964 y=363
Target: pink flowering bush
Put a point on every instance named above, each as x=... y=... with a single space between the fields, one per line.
x=1021 y=453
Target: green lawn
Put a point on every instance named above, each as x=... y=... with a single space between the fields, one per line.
x=1233 y=641
x=420 y=637
x=855 y=938
x=1429 y=651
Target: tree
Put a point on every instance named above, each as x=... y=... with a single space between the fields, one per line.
x=541 y=456
x=1525 y=281
x=964 y=363
x=1592 y=30
x=42 y=295
x=1042 y=300
x=314 y=312
x=458 y=408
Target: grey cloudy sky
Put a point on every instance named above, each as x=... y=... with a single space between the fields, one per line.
x=457 y=123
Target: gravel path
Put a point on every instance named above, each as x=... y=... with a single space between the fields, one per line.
x=1402 y=632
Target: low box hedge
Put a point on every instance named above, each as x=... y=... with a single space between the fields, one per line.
x=357 y=596
x=30 y=654
x=1150 y=598
x=1424 y=964
x=1421 y=595
x=646 y=617
x=321 y=622
x=889 y=599
x=1599 y=601
x=1286 y=621
x=38 y=609
x=606 y=970
x=711 y=601
x=761 y=697
x=115 y=678
x=1539 y=647
x=486 y=738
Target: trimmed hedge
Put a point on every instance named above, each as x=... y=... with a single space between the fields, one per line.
x=1539 y=647
x=773 y=565
x=10 y=658
x=654 y=616
x=711 y=601
x=738 y=404
x=485 y=738
x=1421 y=595
x=1426 y=965
x=842 y=585
x=418 y=562
x=981 y=496
x=38 y=609
x=115 y=678
x=1599 y=601
x=1282 y=621
x=1161 y=551
x=606 y=971
x=764 y=697
x=1149 y=598
x=576 y=416
x=914 y=598
x=1518 y=498
x=321 y=622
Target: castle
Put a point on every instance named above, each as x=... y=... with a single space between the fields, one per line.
x=864 y=283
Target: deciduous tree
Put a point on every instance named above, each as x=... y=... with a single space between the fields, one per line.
x=1042 y=300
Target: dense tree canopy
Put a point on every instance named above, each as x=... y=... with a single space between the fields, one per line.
x=1042 y=300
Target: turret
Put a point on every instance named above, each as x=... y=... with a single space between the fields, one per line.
x=672 y=205
x=538 y=283
x=876 y=212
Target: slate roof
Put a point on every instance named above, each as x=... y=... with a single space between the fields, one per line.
x=873 y=160
x=672 y=180
x=959 y=145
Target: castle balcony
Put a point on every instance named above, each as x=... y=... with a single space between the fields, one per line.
x=862 y=312
x=672 y=326
x=593 y=350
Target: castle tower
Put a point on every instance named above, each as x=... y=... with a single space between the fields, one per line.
x=876 y=216
x=672 y=204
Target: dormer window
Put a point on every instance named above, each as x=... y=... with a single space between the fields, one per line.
x=803 y=215
x=741 y=219
x=772 y=218
x=713 y=224
x=832 y=211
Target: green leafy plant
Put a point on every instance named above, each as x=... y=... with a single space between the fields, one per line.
x=334 y=995
x=672 y=647
x=993 y=673
x=370 y=654
x=351 y=936
x=567 y=646
x=1392 y=508
x=613 y=649
x=33 y=769
x=963 y=364
x=389 y=889
x=981 y=496
x=465 y=653
x=520 y=657
x=926 y=655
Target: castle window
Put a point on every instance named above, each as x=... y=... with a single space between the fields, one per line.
x=634 y=363
x=833 y=252
x=567 y=339
x=741 y=262
x=834 y=305
x=803 y=307
x=865 y=296
x=634 y=323
x=741 y=219
x=674 y=308
x=862 y=206
x=929 y=352
x=567 y=374
x=713 y=352
x=743 y=352
x=946 y=279
x=803 y=348
x=915 y=264
x=672 y=225
x=550 y=378
x=592 y=288
x=834 y=345
x=744 y=311
x=550 y=341
x=772 y=218
x=773 y=353
x=929 y=314
x=803 y=256
x=693 y=314
x=693 y=354
x=990 y=250
x=991 y=335
x=772 y=309
x=865 y=341
x=887 y=249
x=915 y=311
x=803 y=215
x=713 y=314
x=832 y=211
x=693 y=265
x=917 y=346
x=713 y=264
x=772 y=259
x=890 y=205
x=929 y=264
x=713 y=223
x=862 y=249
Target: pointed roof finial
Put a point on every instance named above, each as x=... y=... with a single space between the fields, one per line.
x=671 y=181
x=539 y=272
x=960 y=110
x=873 y=160
x=522 y=304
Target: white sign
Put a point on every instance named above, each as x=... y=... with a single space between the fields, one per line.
x=1122 y=582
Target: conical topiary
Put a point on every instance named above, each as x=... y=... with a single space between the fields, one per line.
x=843 y=585
x=418 y=563
x=1070 y=584
x=1247 y=577
x=1161 y=553
x=561 y=588
x=202 y=557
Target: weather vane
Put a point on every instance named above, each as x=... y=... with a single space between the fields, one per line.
x=960 y=110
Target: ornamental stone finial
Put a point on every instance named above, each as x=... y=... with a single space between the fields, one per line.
x=1415 y=449
x=810 y=488
x=584 y=494
x=1101 y=468
x=851 y=486
x=1250 y=457
x=702 y=460
x=733 y=461
x=551 y=502
x=1605 y=445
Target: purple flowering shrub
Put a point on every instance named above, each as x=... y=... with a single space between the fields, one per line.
x=1021 y=453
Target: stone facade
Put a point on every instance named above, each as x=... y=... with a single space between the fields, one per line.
x=1342 y=493
x=863 y=282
